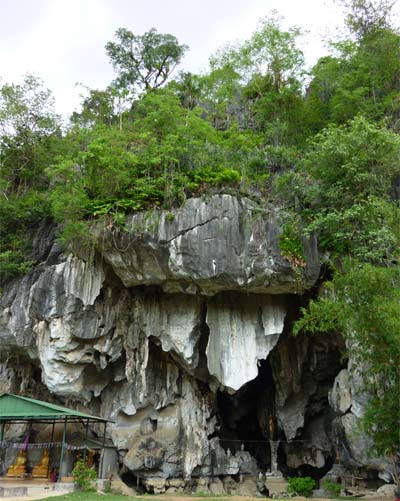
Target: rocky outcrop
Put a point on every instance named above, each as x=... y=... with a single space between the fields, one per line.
x=207 y=246
x=242 y=325
x=352 y=445
x=178 y=329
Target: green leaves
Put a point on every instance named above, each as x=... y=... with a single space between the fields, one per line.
x=354 y=161
x=167 y=153
x=362 y=302
x=271 y=51
x=84 y=476
x=19 y=215
x=362 y=78
x=145 y=61
x=29 y=131
x=343 y=190
x=301 y=486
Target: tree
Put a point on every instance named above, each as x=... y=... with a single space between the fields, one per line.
x=97 y=107
x=363 y=73
x=275 y=86
x=343 y=191
x=363 y=17
x=269 y=66
x=28 y=126
x=189 y=88
x=29 y=139
x=269 y=51
x=106 y=107
x=362 y=302
x=273 y=51
x=144 y=61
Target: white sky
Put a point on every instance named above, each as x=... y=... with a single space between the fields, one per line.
x=62 y=41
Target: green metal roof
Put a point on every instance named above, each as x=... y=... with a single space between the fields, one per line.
x=15 y=407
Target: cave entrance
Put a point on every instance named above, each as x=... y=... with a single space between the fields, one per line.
x=247 y=417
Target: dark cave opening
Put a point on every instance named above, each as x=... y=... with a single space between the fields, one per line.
x=201 y=370
x=134 y=481
x=303 y=470
x=247 y=417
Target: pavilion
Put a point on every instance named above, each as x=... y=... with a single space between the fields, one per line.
x=15 y=409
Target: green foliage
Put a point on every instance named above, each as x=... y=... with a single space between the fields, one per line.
x=262 y=77
x=292 y=247
x=331 y=487
x=367 y=231
x=362 y=77
x=102 y=107
x=83 y=475
x=364 y=17
x=165 y=155
x=344 y=187
x=270 y=51
x=19 y=216
x=362 y=302
x=301 y=486
x=144 y=60
x=324 y=148
x=353 y=162
x=29 y=131
x=215 y=177
x=13 y=263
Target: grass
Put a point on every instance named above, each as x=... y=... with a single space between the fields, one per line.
x=93 y=496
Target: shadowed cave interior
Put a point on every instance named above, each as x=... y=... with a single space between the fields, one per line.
x=247 y=415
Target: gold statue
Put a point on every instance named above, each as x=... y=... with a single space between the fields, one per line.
x=42 y=468
x=271 y=427
x=18 y=469
x=90 y=459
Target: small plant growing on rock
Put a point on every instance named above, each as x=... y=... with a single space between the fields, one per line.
x=83 y=475
x=301 y=486
x=292 y=248
x=332 y=488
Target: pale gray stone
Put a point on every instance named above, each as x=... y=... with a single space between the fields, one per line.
x=154 y=325
x=387 y=491
x=216 y=487
x=208 y=245
x=248 y=488
x=242 y=332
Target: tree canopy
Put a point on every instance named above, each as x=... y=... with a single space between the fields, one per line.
x=324 y=146
x=144 y=61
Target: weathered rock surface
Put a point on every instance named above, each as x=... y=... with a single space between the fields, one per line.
x=216 y=487
x=387 y=491
x=243 y=330
x=340 y=395
x=118 y=486
x=207 y=246
x=353 y=446
x=179 y=331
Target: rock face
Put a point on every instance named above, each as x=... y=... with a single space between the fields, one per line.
x=349 y=406
x=238 y=326
x=208 y=246
x=179 y=331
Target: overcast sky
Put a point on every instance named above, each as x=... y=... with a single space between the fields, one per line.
x=62 y=41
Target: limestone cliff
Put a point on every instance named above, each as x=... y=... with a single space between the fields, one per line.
x=178 y=329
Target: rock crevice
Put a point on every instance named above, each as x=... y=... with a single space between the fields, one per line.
x=179 y=330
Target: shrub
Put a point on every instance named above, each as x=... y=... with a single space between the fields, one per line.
x=331 y=487
x=301 y=486
x=83 y=476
